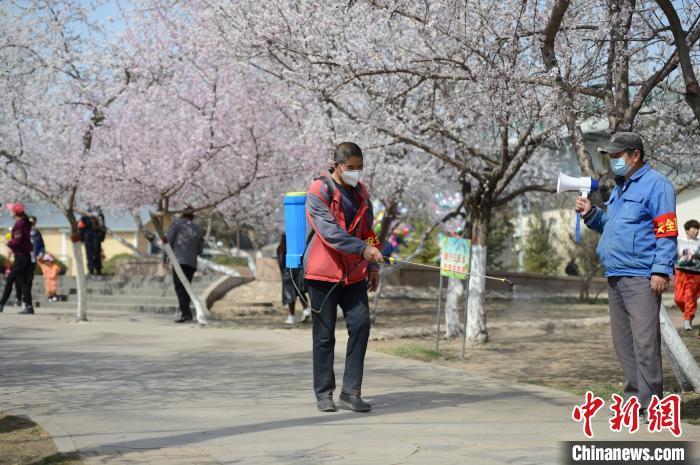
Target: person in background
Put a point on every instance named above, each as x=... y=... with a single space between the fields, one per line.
x=92 y=232
x=290 y=279
x=187 y=241
x=21 y=246
x=51 y=270
x=38 y=249
x=687 y=278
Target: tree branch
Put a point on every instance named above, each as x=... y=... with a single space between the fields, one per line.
x=521 y=190
x=692 y=90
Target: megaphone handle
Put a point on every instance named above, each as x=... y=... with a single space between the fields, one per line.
x=578 y=219
x=578 y=227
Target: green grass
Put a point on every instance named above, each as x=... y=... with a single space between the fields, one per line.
x=110 y=266
x=414 y=352
x=230 y=261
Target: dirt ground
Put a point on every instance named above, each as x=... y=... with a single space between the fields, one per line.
x=259 y=303
x=23 y=442
x=569 y=357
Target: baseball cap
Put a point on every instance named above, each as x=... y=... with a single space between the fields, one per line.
x=16 y=208
x=621 y=141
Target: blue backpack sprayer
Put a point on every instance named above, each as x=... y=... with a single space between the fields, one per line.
x=298 y=240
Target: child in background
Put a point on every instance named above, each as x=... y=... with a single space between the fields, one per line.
x=687 y=279
x=50 y=269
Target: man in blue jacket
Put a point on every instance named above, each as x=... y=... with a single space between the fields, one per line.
x=637 y=248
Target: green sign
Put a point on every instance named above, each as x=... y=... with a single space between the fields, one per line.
x=455 y=257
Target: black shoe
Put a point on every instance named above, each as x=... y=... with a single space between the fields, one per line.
x=27 y=311
x=184 y=319
x=354 y=403
x=643 y=417
x=1 y=308
x=326 y=405
x=18 y=303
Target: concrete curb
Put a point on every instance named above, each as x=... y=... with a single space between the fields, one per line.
x=220 y=287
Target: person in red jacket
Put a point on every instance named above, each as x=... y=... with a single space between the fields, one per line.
x=340 y=267
x=21 y=246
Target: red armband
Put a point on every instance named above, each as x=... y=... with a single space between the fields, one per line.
x=666 y=225
x=372 y=240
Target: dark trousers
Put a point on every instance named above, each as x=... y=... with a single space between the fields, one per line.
x=636 y=334
x=182 y=295
x=18 y=286
x=93 y=250
x=21 y=272
x=353 y=301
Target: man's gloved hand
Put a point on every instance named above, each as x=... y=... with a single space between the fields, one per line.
x=659 y=283
x=372 y=254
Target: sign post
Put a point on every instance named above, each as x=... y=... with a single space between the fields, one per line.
x=455 y=259
x=437 y=322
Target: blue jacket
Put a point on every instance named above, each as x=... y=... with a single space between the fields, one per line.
x=38 y=247
x=639 y=227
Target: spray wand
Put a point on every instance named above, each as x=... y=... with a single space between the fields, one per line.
x=392 y=261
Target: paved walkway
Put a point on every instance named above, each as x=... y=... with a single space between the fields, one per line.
x=145 y=391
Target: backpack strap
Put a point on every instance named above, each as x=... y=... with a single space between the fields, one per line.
x=329 y=185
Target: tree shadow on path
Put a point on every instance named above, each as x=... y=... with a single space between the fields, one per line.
x=385 y=404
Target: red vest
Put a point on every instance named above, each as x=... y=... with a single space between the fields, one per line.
x=324 y=262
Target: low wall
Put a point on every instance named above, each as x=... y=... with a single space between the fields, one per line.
x=409 y=275
x=530 y=282
x=220 y=287
x=141 y=267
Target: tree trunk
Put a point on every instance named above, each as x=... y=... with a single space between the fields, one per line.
x=455 y=290
x=80 y=280
x=390 y=214
x=125 y=243
x=477 y=333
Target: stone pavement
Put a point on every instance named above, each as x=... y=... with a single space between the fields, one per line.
x=141 y=390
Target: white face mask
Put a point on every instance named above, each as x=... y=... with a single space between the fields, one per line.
x=351 y=177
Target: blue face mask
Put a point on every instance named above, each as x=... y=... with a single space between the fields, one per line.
x=618 y=166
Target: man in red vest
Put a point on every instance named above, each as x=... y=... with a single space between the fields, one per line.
x=340 y=266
